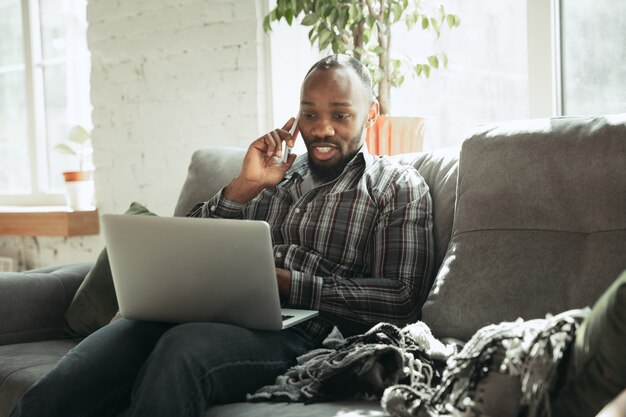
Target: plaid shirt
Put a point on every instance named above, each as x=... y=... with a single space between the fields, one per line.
x=359 y=248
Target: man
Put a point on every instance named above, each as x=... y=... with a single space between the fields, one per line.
x=352 y=238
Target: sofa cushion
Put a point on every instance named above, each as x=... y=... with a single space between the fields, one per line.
x=597 y=367
x=540 y=223
x=95 y=302
x=22 y=365
x=210 y=170
x=32 y=303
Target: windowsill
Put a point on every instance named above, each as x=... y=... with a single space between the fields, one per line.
x=47 y=221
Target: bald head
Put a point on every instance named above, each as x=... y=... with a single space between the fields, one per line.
x=350 y=63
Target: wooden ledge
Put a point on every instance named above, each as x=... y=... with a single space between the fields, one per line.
x=47 y=221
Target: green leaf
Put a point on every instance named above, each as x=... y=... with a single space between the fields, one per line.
x=410 y=21
x=425 y=22
x=266 y=24
x=377 y=49
x=353 y=12
x=457 y=21
x=334 y=15
x=78 y=134
x=328 y=10
x=289 y=16
x=442 y=11
x=325 y=38
x=444 y=59
x=427 y=71
x=319 y=7
x=281 y=6
x=419 y=68
x=450 y=21
x=310 y=20
x=342 y=20
x=66 y=149
x=371 y=21
x=397 y=12
x=433 y=61
x=386 y=13
x=433 y=22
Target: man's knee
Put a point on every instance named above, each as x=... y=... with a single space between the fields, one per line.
x=189 y=341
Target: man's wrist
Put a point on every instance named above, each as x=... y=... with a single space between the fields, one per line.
x=240 y=191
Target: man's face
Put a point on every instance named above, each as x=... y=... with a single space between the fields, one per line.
x=334 y=107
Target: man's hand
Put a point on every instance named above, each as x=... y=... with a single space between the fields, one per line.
x=284 y=281
x=262 y=167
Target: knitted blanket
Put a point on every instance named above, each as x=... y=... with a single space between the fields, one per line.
x=415 y=374
x=362 y=366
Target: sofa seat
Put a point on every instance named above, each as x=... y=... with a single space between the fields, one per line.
x=23 y=364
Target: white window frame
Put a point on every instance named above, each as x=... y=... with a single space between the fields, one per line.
x=545 y=98
x=35 y=114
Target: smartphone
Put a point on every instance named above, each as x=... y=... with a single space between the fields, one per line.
x=287 y=150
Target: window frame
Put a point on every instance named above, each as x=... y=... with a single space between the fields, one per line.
x=545 y=97
x=33 y=67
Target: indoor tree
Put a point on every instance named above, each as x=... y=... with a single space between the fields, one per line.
x=362 y=28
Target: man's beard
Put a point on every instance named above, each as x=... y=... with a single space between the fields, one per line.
x=327 y=173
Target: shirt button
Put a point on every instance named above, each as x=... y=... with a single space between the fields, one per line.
x=213 y=208
x=297 y=210
x=279 y=254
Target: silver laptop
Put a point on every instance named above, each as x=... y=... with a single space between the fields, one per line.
x=178 y=270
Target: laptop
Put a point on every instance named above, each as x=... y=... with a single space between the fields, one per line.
x=177 y=269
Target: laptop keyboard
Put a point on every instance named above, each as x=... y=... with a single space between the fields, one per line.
x=286 y=317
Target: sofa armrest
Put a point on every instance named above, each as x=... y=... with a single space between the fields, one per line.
x=32 y=303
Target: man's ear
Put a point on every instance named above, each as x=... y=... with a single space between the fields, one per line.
x=372 y=114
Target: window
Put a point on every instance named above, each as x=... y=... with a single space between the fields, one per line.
x=44 y=90
x=593 y=54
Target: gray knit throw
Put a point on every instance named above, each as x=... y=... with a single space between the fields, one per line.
x=527 y=351
x=362 y=366
x=415 y=374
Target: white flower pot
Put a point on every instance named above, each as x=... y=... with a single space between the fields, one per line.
x=79 y=191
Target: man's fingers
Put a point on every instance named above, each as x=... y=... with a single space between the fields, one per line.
x=290 y=159
x=272 y=143
x=287 y=126
x=292 y=141
x=278 y=146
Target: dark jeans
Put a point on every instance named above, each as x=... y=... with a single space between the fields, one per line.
x=162 y=370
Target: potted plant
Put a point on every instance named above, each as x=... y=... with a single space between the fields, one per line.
x=362 y=28
x=79 y=185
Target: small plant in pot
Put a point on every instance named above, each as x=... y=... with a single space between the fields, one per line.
x=79 y=185
x=362 y=28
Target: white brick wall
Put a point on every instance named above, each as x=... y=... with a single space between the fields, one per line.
x=168 y=77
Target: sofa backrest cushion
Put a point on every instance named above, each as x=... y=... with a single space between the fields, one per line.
x=210 y=170
x=539 y=226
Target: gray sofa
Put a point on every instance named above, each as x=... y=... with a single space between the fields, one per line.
x=529 y=219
